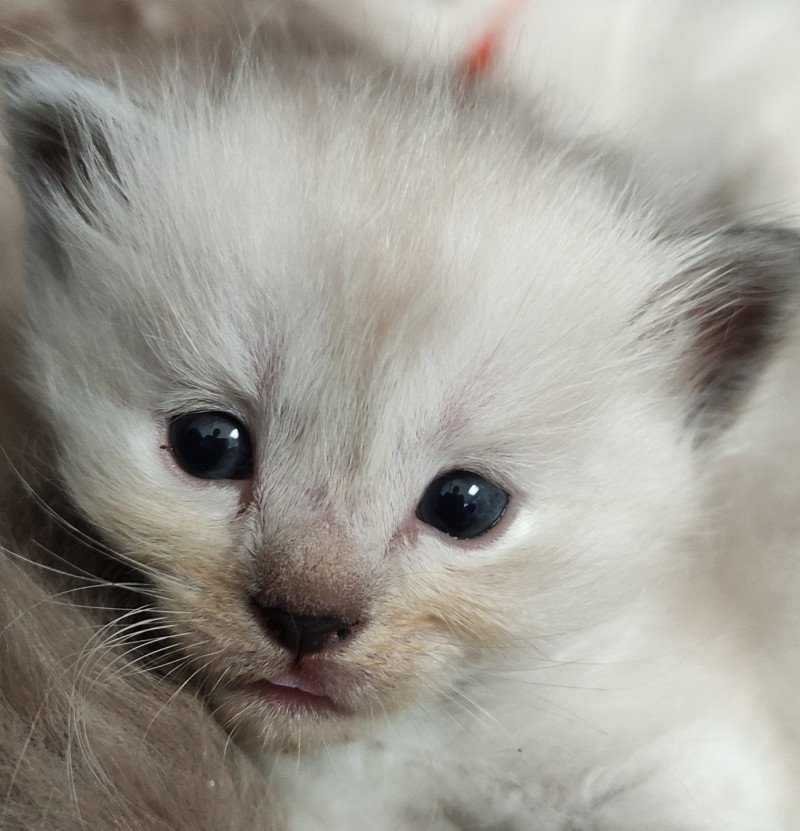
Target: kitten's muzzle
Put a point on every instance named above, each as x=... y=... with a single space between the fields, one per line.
x=300 y=634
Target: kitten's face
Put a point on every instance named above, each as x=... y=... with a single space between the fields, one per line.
x=367 y=295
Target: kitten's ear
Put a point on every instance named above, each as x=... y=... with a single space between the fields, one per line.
x=730 y=308
x=60 y=125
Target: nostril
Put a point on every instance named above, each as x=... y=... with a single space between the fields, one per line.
x=301 y=634
x=278 y=624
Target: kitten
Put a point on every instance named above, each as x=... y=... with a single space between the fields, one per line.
x=401 y=408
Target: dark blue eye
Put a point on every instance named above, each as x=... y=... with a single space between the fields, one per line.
x=462 y=504
x=211 y=446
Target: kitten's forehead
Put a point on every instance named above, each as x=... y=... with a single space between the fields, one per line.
x=375 y=227
x=365 y=276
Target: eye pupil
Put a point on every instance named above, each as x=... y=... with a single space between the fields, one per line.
x=211 y=445
x=462 y=504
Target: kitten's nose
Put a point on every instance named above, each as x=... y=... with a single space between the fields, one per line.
x=299 y=634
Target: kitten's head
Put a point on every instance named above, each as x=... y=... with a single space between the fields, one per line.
x=375 y=386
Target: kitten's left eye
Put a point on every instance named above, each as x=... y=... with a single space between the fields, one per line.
x=211 y=446
x=462 y=504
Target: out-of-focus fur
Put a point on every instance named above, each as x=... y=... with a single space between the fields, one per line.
x=705 y=93
x=90 y=740
x=384 y=279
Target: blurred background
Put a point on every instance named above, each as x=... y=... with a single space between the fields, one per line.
x=92 y=31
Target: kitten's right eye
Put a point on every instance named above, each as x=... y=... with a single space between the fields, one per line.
x=211 y=446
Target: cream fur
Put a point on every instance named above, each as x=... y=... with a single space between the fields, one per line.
x=384 y=279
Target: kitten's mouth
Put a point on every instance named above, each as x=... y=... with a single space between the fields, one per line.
x=296 y=693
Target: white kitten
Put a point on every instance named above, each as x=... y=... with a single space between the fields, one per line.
x=403 y=408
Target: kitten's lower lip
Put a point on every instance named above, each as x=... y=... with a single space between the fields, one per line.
x=293 y=691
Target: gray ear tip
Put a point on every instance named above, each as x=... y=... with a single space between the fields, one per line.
x=17 y=83
x=60 y=126
x=35 y=86
x=32 y=79
x=34 y=93
x=745 y=297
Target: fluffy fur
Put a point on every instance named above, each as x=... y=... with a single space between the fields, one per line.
x=385 y=279
x=88 y=740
